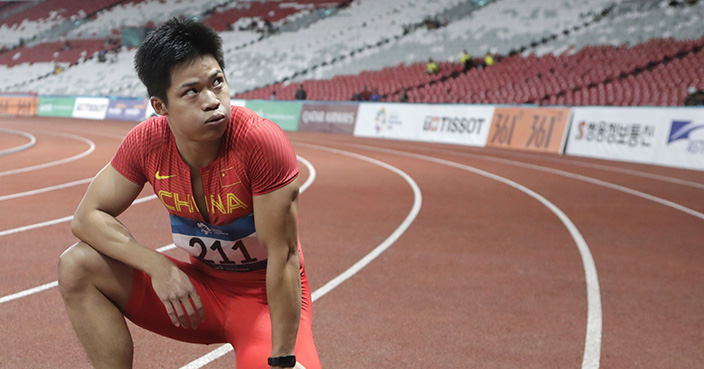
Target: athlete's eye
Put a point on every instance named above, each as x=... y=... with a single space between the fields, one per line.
x=191 y=92
x=218 y=82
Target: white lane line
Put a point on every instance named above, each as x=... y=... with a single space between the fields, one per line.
x=595 y=181
x=417 y=201
x=91 y=148
x=608 y=168
x=28 y=292
x=45 y=189
x=4 y=299
x=60 y=220
x=592 y=342
x=32 y=141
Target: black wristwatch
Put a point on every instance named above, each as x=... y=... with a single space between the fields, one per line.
x=288 y=361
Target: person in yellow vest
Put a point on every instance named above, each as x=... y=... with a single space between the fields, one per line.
x=488 y=59
x=431 y=67
x=466 y=61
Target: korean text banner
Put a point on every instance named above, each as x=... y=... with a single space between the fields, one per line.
x=532 y=129
x=664 y=136
x=455 y=124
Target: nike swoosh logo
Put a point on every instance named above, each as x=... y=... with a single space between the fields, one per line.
x=162 y=177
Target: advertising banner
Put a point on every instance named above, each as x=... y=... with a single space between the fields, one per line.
x=127 y=108
x=91 y=107
x=665 y=136
x=330 y=118
x=455 y=124
x=529 y=128
x=283 y=113
x=18 y=105
x=55 y=106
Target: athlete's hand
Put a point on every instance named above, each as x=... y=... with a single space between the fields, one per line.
x=176 y=292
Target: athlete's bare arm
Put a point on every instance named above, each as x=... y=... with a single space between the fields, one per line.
x=95 y=223
x=275 y=218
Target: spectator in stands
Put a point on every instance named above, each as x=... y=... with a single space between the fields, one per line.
x=375 y=95
x=694 y=97
x=466 y=61
x=404 y=96
x=365 y=95
x=102 y=55
x=432 y=67
x=301 y=93
x=273 y=95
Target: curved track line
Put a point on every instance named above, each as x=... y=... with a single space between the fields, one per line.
x=46 y=189
x=32 y=141
x=31 y=291
x=595 y=181
x=91 y=148
x=621 y=170
x=417 y=200
x=61 y=220
x=592 y=343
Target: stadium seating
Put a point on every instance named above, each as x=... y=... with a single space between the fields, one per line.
x=575 y=52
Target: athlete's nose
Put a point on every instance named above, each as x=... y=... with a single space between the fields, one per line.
x=211 y=100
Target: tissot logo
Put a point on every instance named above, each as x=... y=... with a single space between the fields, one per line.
x=453 y=124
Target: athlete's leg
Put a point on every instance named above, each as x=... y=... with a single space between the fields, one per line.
x=249 y=331
x=94 y=288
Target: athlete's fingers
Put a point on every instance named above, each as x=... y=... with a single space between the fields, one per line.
x=186 y=302
x=170 y=310
x=178 y=309
x=199 y=306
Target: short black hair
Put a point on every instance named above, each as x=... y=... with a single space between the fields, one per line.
x=179 y=40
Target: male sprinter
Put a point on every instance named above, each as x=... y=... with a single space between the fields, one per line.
x=228 y=180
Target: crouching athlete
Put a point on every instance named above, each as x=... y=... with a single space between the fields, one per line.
x=228 y=180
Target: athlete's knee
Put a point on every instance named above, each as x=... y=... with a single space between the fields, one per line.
x=76 y=265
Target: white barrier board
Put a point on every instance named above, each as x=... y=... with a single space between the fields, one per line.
x=456 y=124
x=664 y=136
x=91 y=107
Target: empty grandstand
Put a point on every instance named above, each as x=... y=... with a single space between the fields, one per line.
x=571 y=52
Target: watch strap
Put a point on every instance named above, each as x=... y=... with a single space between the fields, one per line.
x=288 y=361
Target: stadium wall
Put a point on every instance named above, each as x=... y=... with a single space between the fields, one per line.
x=666 y=136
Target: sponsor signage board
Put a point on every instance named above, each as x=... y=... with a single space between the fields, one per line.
x=529 y=128
x=330 y=118
x=25 y=105
x=454 y=124
x=132 y=109
x=283 y=113
x=664 y=136
x=91 y=107
x=55 y=106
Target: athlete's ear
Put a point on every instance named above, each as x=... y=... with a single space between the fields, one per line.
x=159 y=105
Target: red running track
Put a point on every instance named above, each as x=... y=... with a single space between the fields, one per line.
x=484 y=270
